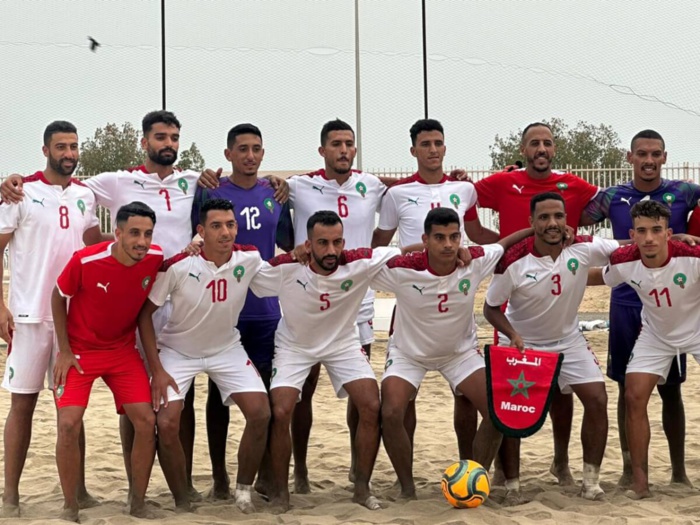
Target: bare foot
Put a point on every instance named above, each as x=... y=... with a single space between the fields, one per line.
x=513 y=498
x=301 y=485
x=139 y=510
x=682 y=479
x=279 y=505
x=370 y=502
x=351 y=475
x=261 y=488
x=218 y=492
x=625 y=480
x=498 y=478
x=193 y=494
x=593 y=493
x=183 y=507
x=86 y=501
x=9 y=510
x=563 y=474
x=642 y=494
x=69 y=515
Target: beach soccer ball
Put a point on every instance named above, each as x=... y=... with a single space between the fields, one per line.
x=465 y=484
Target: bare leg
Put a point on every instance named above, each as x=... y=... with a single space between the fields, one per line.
x=218 y=419
x=594 y=435
x=283 y=405
x=638 y=388
x=352 y=417
x=171 y=454
x=302 y=420
x=68 y=458
x=126 y=433
x=187 y=427
x=396 y=396
x=625 y=480
x=17 y=437
x=464 y=421
x=142 y=455
x=85 y=500
x=673 y=416
x=562 y=415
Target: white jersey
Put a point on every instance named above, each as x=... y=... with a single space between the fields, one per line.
x=319 y=311
x=356 y=201
x=206 y=300
x=670 y=295
x=435 y=313
x=171 y=198
x=47 y=227
x=407 y=202
x=544 y=295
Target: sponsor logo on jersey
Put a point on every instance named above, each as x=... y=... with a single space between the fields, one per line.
x=519 y=188
x=627 y=200
x=274 y=373
x=238 y=272
x=81 y=206
x=561 y=186
x=680 y=279
x=388 y=363
x=520 y=385
x=103 y=286
x=413 y=201
x=572 y=265
x=420 y=290
x=141 y=183
x=318 y=188
x=195 y=276
x=39 y=202
x=361 y=189
x=464 y=286
x=146 y=281
x=182 y=184
x=638 y=284
x=669 y=198
x=303 y=285
x=12 y=374
x=532 y=276
x=269 y=205
x=455 y=200
x=346 y=285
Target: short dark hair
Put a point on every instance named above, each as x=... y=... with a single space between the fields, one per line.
x=241 y=129
x=156 y=117
x=534 y=125
x=426 y=124
x=324 y=218
x=58 y=126
x=546 y=196
x=135 y=209
x=213 y=204
x=648 y=134
x=334 y=125
x=440 y=217
x=651 y=210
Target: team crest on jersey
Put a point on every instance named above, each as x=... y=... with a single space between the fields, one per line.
x=361 y=189
x=182 y=184
x=455 y=200
x=562 y=186
x=669 y=198
x=346 y=285
x=572 y=265
x=238 y=272
x=146 y=281
x=81 y=206
x=680 y=279
x=269 y=205
x=520 y=385
x=59 y=391
x=464 y=286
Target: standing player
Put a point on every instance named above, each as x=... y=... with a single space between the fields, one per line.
x=107 y=285
x=666 y=276
x=647 y=156
x=509 y=193
x=320 y=304
x=405 y=206
x=62 y=209
x=262 y=222
x=207 y=293
x=357 y=197
x=544 y=284
x=434 y=329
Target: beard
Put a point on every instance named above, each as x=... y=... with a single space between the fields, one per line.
x=324 y=263
x=60 y=167
x=160 y=157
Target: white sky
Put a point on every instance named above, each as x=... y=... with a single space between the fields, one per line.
x=288 y=66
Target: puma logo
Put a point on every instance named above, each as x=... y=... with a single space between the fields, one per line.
x=195 y=276
x=303 y=285
x=627 y=200
x=39 y=202
x=103 y=286
x=519 y=188
x=142 y=184
x=414 y=201
x=531 y=276
x=420 y=290
x=638 y=284
x=318 y=188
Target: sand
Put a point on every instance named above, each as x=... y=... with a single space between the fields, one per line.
x=330 y=503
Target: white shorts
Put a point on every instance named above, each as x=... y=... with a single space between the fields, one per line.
x=230 y=369
x=454 y=368
x=652 y=356
x=364 y=322
x=31 y=358
x=160 y=319
x=290 y=368
x=580 y=364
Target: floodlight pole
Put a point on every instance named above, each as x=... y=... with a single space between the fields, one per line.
x=358 y=105
x=162 y=48
x=425 y=62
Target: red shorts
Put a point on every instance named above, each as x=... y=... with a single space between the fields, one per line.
x=122 y=370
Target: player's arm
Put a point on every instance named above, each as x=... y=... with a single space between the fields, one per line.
x=478 y=234
x=65 y=359
x=280 y=186
x=94 y=236
x=515 y=238
x=160 y=379
x=595 y=277
x=11 y=189
x=382 y=237
x=500 y=322
x=597 y=209
x=7 y=322
x=284 y=237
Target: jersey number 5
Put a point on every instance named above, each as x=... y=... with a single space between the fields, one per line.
x=326 y=302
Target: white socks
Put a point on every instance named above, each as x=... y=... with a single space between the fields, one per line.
x=243 y=498
x=591 y=487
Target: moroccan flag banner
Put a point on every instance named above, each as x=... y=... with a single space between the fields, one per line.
x=520 y=388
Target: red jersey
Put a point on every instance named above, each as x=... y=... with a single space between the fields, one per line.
x=509 y=193
x=105 y=296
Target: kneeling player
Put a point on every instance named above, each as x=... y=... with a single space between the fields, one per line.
x=107 y=284
x=207 y=292
x=435 y=330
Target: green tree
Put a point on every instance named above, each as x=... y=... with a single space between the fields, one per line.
x=583 y=146
x=191 y=159
x=112 y=148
